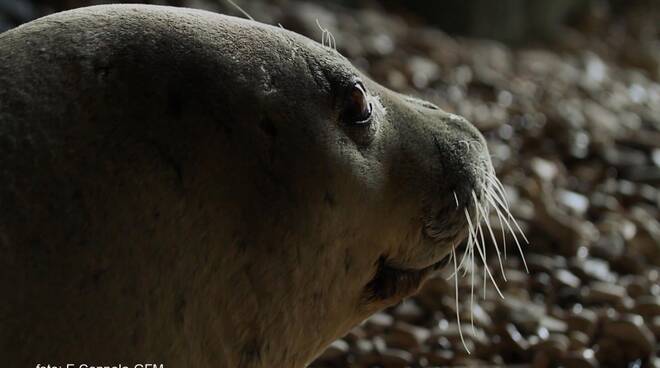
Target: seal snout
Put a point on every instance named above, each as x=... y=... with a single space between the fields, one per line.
x=462 y=180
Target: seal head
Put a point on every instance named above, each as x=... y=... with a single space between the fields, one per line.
x=206 y=191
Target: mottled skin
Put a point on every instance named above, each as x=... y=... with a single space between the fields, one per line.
x=178 y=186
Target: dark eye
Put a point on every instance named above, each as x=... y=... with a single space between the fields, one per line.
x=358 y=108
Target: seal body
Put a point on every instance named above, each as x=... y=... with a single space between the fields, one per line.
x=182 y=187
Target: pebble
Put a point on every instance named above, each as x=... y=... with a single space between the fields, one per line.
x=593 y=269
x=339 y=348
x=409 y=311
x=604 y=293
x=379 y=322
x=579 y=359
x=576 y=202
x=654 y=326
x=514 y=339
x=631 y=329
x=395 y=358
x=438 y=358
x=553 y=347
x=648 y=306
x=578 y=340
x=545 y=169
x=565 y=278
x=583 y=320
x=406 y=336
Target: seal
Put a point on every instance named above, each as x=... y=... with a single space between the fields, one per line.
x=197 y=190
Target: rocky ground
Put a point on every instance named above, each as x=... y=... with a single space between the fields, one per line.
x=574 y=133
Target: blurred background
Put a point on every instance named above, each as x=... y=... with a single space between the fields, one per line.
x=567 y=93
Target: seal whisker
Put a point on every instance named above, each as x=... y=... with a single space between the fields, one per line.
x=506 y=208
x=240 y=9
x=469 y=245
x=513 y=233
x=334 y=41
x=323 y=32
x=500 y=199
x=483 y=258
x=489 y=194
x=483 y=249
x=492 y=236
x=478 y=231
x=458 y=311
x=505 y=205
x=461 y=264
x=469 y=252
x=481 y=239
x=472 y=240
x=326 y=35
x=468 y=248
x=472 y=268
x=495 y=194
x=497 y=186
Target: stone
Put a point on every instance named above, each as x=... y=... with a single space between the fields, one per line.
x=514 y=339
x=553 y=325
x=592 y=269
x=636 y=286
x=579 y=359
x=378 y=322
x=406 y=336
x=336 y=350
x=409 y=311
x=654 y=326
x=565 y=278
x=576 y=202
x=631 y=329
x=395 y=358
x=439 y=358
x=648 y=306
x=583 y=320
x=605 y=293
x=363 y=346
x=578 y=340
x=452 y=333
x=545 y=169
x=554 y=347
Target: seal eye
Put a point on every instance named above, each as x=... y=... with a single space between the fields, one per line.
x=358 y=108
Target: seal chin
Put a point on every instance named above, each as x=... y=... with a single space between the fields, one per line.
x=394 y=281
x=445 y=227
x=391 y=284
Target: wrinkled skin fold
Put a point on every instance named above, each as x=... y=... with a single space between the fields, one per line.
x=181 y=187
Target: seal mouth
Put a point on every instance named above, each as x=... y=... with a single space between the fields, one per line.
x=451 y=221
x=394 y=283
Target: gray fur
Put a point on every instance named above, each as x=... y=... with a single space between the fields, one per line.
x=176 y=187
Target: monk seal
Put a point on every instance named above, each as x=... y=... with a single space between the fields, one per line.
x=197 y=190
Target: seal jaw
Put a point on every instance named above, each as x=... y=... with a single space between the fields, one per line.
x=393 y=284
x=445 y=226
